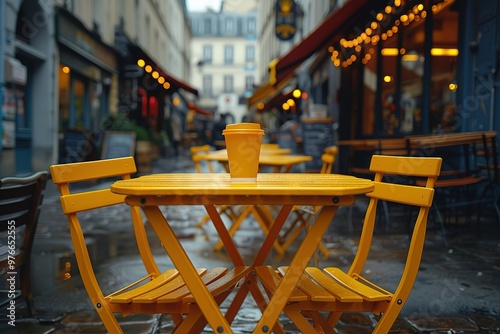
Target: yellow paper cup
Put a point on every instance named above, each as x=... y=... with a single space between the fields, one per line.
x=243 y=141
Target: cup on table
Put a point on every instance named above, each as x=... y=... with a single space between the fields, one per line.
x=243 y=141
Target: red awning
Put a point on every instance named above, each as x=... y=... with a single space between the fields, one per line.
x=321 y=37
x=180 y=84
x=174 y=82
x=267 y=91
x=278 y=100
x=198 y=109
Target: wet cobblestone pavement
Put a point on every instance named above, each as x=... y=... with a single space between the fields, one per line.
x=457 y=289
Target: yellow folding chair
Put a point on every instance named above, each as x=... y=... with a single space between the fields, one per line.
x=322 y=295
x=20 y=202
x=197 y=153
x=304 y=214
x=157 y=292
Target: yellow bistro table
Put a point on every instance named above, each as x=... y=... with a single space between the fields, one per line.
x=263 y=151
x=330 y=191
x=278 y=160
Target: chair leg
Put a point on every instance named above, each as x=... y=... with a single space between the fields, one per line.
x=441 y=222
x=202 y=222
x=235 y=226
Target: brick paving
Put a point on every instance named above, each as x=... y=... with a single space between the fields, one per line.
x=457 y=289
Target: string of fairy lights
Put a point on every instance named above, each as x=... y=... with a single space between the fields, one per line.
x=155 y=74
x=386 y=25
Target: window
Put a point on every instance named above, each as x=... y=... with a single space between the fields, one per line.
x=207 y=26
x=228 y=84
x=207 y=54
x=394 y=78
x=228 y=54
x=239 y=29
x=251 y=25
x=250 y=53
x=444 y=52
x=229 y=26
x=249 y=83
x=207 y=85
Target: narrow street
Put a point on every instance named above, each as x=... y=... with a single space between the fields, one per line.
x=457 y=289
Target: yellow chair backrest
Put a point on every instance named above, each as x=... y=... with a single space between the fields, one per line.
x=72 y=203
x=197 y=155
x=328 y=159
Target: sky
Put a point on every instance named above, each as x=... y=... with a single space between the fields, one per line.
x=202 y=5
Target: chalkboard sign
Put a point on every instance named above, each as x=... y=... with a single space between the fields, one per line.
x=118 y=144
x=317 y=134
x=77 y=146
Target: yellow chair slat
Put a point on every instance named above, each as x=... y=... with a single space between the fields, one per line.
x=229 y=279
x=209 y=277
x=314 y=291
x=89 y=200
x=270 y=280
x=341 y=293
x=150 y=287
x=413 y=166
x=92 y=170
x=361 y=289
x=403 y=194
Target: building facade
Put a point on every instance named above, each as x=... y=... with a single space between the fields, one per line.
x=66 y=65
x=389 y=69
x=225 y=57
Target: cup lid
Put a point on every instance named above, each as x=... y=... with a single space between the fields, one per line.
x=245 y=126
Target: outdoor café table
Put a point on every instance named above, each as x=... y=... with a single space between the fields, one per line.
x=263 y=151
x=277 y=162
x=330 y=191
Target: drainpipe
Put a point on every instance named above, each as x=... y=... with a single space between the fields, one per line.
x=2 y=62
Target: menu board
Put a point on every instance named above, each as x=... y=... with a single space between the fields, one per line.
x=118 y=144
x=76 y=147
x=317 y=134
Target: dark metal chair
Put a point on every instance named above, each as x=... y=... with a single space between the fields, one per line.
x=20 y=201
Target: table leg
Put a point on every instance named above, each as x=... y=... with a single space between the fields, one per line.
x=178 y=255
x=225 y=236
x=265 y=220
x=235 y=225
x=302 y=257
x=251 y=284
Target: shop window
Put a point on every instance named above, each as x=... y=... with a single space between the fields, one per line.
x=444 y=54
x=79 y=104
x=402 y=74
x=369 y=92
x=64 y=97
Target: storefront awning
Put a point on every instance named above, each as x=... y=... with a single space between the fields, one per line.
x=278 y=100
x=169 y=82
x=198 y=109
x=321 y=37
x=267 y=91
